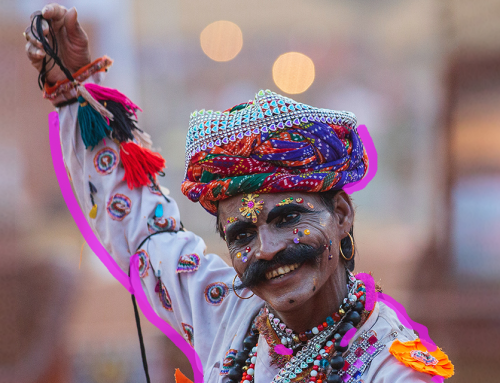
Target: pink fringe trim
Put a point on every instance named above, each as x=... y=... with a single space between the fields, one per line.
x=101 y=93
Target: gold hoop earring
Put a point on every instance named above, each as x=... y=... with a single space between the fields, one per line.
x=239 y=296
x=352 y=246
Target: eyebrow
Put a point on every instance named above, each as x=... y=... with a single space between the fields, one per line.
x=282 y=210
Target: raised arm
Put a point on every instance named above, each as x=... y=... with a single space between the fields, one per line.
x=114 y=177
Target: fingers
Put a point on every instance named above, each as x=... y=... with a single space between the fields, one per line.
x=35 y=55
x=28 y=34
x=54 y=12
x=71 y=23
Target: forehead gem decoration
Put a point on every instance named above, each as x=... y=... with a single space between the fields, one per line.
x=286 y=201
x=250 y=207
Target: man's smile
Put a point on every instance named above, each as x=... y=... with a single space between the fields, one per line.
x=282 y=270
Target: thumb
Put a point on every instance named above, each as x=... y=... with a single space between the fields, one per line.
x=71 y=23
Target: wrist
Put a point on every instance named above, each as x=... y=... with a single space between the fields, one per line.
x=64 y=90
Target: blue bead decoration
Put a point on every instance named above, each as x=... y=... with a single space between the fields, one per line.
x=323 y=363
x=159 y=210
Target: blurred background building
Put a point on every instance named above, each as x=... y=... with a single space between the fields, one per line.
x=423 y=75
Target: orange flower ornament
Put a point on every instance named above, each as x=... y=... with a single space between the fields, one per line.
x=180 y=377
x=415 y=355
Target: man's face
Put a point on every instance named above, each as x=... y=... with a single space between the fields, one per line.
x=287 y=249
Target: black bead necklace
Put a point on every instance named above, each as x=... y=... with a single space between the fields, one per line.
x=244 y=360
x=244 y=368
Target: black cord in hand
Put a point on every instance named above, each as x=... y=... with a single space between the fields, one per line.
x=51 y=51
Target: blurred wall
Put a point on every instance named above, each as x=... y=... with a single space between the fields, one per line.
x=386 y=61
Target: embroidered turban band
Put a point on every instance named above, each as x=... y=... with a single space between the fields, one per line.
x=270 y=145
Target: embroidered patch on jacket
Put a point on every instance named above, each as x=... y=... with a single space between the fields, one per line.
x=156 y=224
x=143 y=263
x=118 y=206
x=360 y=354
x=165 y=298
x=228 y=361
x=424 y=357
x=105 y=161
x=189 y=332
x=215 y=293
x=188 y=263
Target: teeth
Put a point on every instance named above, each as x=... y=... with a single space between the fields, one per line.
x=281 y=271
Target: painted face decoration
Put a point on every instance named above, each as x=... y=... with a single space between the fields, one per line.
x=250 y=207
x=229 y=220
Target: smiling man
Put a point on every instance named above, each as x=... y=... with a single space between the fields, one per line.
x=272 y=171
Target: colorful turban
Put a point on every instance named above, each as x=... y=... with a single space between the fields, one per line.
x=270 y=145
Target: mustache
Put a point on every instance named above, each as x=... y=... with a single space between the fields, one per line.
x=255 y=273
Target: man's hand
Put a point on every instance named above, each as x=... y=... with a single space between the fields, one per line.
x=71 y=38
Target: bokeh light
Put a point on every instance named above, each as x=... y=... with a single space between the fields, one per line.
x=293 y=72
x=221 y=40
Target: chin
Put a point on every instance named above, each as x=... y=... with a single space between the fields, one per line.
x=292 y=297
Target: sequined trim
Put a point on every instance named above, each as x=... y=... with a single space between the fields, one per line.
x=188 y=263
x=189 y=332
x=105 y=161
x=360 y=354
x=119 y=206
x=228 y=361
x=143 y=263
x=165 y=298
x=99 y=65
x=215 y=293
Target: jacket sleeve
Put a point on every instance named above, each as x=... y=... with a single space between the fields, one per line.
x=186 y=288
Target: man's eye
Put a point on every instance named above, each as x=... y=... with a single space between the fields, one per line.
x=242 y=236
x=289 y=217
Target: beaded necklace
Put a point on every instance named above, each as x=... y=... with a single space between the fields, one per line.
x=321 y=353
x=292 y=340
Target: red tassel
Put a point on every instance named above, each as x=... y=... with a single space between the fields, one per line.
x=139 y=164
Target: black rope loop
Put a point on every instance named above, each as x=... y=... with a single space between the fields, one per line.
x=51 y=51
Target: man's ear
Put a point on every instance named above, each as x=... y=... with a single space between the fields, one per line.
x=344 y=210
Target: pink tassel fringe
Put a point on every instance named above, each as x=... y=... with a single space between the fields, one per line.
x=101 y=93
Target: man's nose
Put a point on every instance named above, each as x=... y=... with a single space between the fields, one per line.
x=269 y=244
